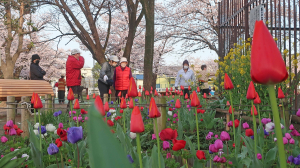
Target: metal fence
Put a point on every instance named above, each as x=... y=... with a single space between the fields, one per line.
x=236 y=20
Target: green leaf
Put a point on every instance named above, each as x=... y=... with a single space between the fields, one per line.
x=244 y=153
x=270 y=156
x=35 y=148
x=7 y=158
x=180 y=130
x=104 y=147
x=15 y=163
x=247 y=161
x=154 y=158
x=191 y=146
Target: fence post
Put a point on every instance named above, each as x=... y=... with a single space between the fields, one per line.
x=25 y=115
x=48 y=103
x=11 y=112
x=161 y=121
x=105 y=98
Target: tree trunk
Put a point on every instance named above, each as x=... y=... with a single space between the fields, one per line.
x=8 y=70
x=148 y=6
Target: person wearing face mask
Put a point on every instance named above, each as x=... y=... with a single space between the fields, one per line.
x=36 y=72
x=203 y=79
x=185 y=77
x=121 y=77
x=105 y=80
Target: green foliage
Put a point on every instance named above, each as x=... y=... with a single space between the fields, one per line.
x=96 y=72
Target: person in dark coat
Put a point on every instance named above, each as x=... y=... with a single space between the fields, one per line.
x=36 y=72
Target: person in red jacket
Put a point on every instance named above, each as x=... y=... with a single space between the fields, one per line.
x=121 y=77
x=73 y=73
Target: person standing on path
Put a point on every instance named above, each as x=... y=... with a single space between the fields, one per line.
x=204 y=75
x=36 y=72
x=121 y=78
x=185 y=77
x=61 y=89
x=82 y=86
x=73 y=72
x=105 y=80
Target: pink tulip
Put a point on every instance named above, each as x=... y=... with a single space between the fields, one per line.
x=2 y=156
x=168 y=119
x=230 y=162
x=227 y=103
x=79 y=119
x=295 y=133
x=229 y=124
x=86 y=118
x=175 y=115
x=223 y=160
x=218 y=144
x=265 y=120
x=169 y=155
x=285 y=140
x=12 y=149
x=174 y=122
x=75 y=118
x=10 y=123
x=216 y=158
x=259 y=157
x=245 y=125
x=208 y=137
x=166 y=145
x=12 y=131
x=292 y=141
x=74 y=112
x=288 y=136
x=153 y=136
x=292 y=127
x=60 y=125
x=224 y=136
x=212 y=148
x=189 y=109
x=4 y=139
x=216 y=136
x=210 y=133
x=176 y=119
x=298 y=113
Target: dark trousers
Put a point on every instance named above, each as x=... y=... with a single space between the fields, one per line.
x=207 y=91
x=186 y=91
x=103 y=88
x=123 y=94
x=61 y=96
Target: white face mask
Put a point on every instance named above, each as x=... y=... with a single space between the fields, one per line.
x=185 y=67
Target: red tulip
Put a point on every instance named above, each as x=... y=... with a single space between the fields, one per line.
x=76 y=104
x=142 y=108
x=194 y=100
x=106 y=107
x=131 y=104
x=249 y=132
x=136 y=124
x=87 y=97
x=178 y=144
x=143 y=89
x=117 y=118
x=186 y=96
x=147 y=93
x=167 y=94
x=171 y=89
x=123 y=103
x=119 y=94
x=99 y=105
x=70 y=94
x=168 y=134
x=177 y=104
x=204 y=96
x=58 y=142
x=109 y=91
x=255 y=111
x=155 y=93
x=19 y=131
x=230 y=111
x=32 y=98
x=167 y=90
x=189 y=88
x=251 y=91
x=181 y=87
x=110 y=123
x=82 y=111
x=267 y=65
x=198 y=89
x=94 y=96
x=236 y=123
x=257 y=99
x=151 y=88
x=153 y=110
x=151 y=92
x=227 y=83
x=37 y=102
x=280 y=93
x=200 y=155
x=132 y=89
x=200 y=111
x=121 y=111
x=139 y=94
x=140 y=87
x=126 y=96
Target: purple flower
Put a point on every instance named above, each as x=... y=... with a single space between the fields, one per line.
x=259 y=157
x=296 y=161
x=266 y=133
x=153 y=136
x=136 y=100
x=75 y=134
x=52 y=149
x=265 y=120
x=229 y=124
x=188 y=106
x=130 y=159
x=172 y=101
x=298 y=113
x=218 y=144
x=108 y=114
x=224 y=136
x=291 y=158
x=245 y=125
x=252 y=137
x=55 y=114
x=212 y=148
x=12 y=131
x=10 y=123
x=216 y=159
x=43 y=129
x=210 y=152
x=166 y=145
x=208 y=137
x=295 y=133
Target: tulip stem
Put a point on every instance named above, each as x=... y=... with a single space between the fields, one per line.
x=138 y=143
x=179 y=114
x=56 y=161
x=283 y=112
x=232 y=115
x=158 y=144
x=197 y=128
x=255 y=130
x=40 y=124
x=78 y=159
x=34 y=116
x=260 y=129
x=77 y=118
x=62 y=160
x=281 y=152
x=71 y=120
x=124 y=121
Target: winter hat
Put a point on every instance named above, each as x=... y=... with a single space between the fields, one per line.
x=185 y=62
x=114 y=58
x=34 y=57
x=75 y=51
x=123 y=59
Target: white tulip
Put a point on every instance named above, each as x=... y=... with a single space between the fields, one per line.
x=170 y=113
x=112 y=110
x=270 y=127
x=113 y=116
x=36 y=132
x=50 y=127
x=25 y=155
x=55 y=132
x=132 y=135
x=36 y=125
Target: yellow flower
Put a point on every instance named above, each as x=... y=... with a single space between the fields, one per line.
x=286 y=51
x=222 y=84
x=233 y=77
x=249 y=39
x=295 y=62
x=238 y=86
x=267 y=22
x=222 y=77
x=192 y=65
x=226 y=68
